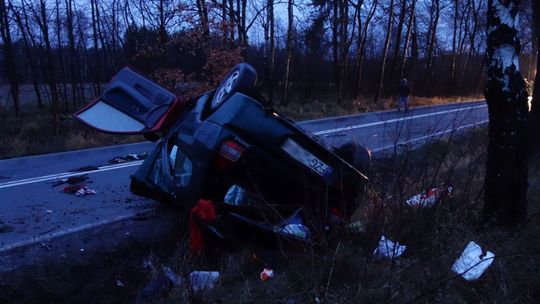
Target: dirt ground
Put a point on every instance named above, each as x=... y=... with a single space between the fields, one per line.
x=342 y=269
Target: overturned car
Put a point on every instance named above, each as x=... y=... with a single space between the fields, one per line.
x=267 y=179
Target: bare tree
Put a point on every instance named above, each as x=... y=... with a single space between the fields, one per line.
x=287 y=77
x=506 y=96
x=9 y=56
x=361 y=41
x=385 y=50
x=29 y=45
x=435 y=12
x=407 y=39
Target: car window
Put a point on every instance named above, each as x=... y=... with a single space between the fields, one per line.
x=181 y=166
x=158 y=177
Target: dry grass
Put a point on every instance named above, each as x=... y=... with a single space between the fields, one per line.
x=320 y=108
x=345 y=270
x=33 y=133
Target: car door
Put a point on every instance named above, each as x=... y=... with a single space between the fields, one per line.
x=131 y=104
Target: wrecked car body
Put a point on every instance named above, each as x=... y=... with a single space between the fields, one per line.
x=265 y=175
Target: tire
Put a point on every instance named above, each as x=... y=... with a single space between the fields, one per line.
x=357 y=156
x=241 y=78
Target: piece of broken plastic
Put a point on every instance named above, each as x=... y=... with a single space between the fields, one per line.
x=389 y=249
x=236 y=195
x=203 y=280
x=85 y=191
x=295 y=226
x=267 y=274
x=473 y=263
x=424 y=199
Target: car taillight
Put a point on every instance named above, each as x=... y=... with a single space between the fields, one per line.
x=231 y=150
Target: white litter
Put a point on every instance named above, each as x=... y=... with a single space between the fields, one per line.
x=85 y=191
x=297 y=230
x=203 y=280
x=472 y=263
x=389 y=249
x=236 y=195
x=424 y=199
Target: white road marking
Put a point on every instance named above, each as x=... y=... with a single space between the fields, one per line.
x=371 y=124
x=52 y=235
x=67 y=174
x=431 y=135
x=318 y=133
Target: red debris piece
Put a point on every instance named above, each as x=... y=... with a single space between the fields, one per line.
x=204 y=211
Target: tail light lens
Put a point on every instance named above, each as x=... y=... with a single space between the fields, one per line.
x=229 y=153
x=231 y=150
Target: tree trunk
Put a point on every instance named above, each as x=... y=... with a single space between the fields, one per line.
x=507 y=160
x=287 y=78
x=9 y=56
x=97 y=64
x=271 y=51
x=385 y=51
x=535 y=103
x=50 y=68
x=30 y=57
x=360 y=50
x=335 y=50
x=397 y=47
x=454 y=46
x=431 y=47
x=407 y=40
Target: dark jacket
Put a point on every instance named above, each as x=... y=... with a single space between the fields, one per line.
x=404 y=90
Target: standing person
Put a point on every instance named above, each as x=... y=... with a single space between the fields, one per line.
x=404 y=91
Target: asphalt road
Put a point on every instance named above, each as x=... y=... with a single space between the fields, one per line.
x=35 y=214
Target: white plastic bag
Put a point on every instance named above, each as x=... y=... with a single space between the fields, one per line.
x=471 y=264
x=203 y=280
x=389 y=249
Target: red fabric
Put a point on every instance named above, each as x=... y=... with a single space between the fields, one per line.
x=203 y=211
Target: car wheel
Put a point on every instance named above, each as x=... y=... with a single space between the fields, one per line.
x=356 y=155
x=241 y=78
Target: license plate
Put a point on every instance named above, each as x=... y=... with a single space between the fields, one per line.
x=306 y=158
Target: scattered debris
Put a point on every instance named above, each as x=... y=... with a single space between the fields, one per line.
x=473 y=262
x=204 y=211
x=84 y=169
x=236 y=195
x=85 y=191
x=49 y=211
x=72 y=180
x=424 y=199
x=389 y=249
x=203 y=280
x=79 y=190
x=429 y=198
x=267 y=274
x=81 y=250
x=127 y=158
x=295 y=226
x=72 y=189
x=356 y=227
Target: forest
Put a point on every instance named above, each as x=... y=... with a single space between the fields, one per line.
x=66 y=50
